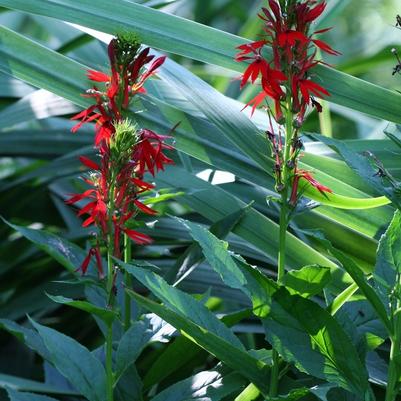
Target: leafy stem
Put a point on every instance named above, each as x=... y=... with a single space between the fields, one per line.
x=289 y=133
x=127 y=284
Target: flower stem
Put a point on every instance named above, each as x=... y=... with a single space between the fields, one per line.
x=109 y=334
x=109 y=363
x=289 y=132
x=393 y=383
x=127 y=283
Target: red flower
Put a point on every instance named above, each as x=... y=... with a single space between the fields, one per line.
x=85 y=264
x=126 y=153
x=306 y=175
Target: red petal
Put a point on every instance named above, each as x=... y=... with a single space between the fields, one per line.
x=97 y=76
x=144 y=208
x=325 y=47
x=89 y=163
x=139 y=238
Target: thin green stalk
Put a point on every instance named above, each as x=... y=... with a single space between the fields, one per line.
x=127 y=283
x=393 y=379
x=289 y=132
x=109 y=287
x=109 y=363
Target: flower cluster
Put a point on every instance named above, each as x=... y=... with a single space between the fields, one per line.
x=126 y=152
x=285 y=77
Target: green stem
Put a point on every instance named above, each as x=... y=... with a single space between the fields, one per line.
x=109 y=288
x=393 y=379
x=127 y=283
x=289 y=132
x=109 y=334
x=109 y=363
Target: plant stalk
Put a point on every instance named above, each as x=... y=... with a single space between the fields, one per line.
x=127 y=284
x=393 y=378
x=109 y=363
x=289 y=132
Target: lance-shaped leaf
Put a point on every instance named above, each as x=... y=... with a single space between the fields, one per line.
x=201 y=325
x=211 y=385
x=388 y=264
x=84 y=371
x=107 y=315
x=25 y=396
x=238 y=359
x=302 y=331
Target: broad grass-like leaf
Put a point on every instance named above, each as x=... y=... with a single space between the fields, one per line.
x=75 y=362
x=180 y=36
x=362 y=166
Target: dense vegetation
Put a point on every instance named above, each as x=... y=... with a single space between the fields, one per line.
x=220 y=252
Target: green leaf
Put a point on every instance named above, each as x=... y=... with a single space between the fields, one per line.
x=293 y=395
x=211 y=385
x=358 y=276
x=129 y=386
x=176 y=356
x=308 y=281
x=388 y=264
x=364 y=168
x=328 y=354
x=28 y=336
x=107 y=315
x=291 y=330
x=131 y=345
x=21 y=384
x=66 y=253
x=180 y=36
x=254 y=370
x=233 y=270
x=76 y=363
x=250 y=393
x=342 y=298
x=16 y=396
x=183 y=304
x=192 y=256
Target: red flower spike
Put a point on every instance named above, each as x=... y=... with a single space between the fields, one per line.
x=118 y=178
